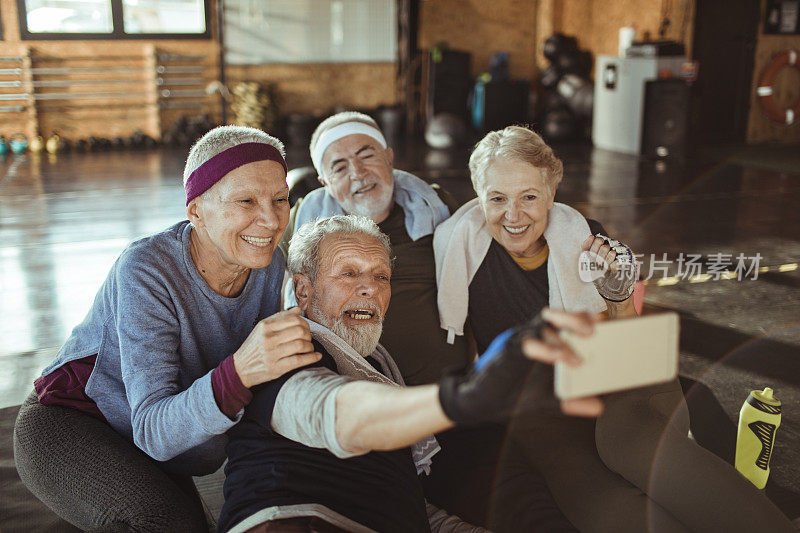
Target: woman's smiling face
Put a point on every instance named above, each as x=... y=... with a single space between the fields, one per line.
x=516 y=200
x=245 y=214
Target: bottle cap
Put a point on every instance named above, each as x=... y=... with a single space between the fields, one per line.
x=764 y=401
x=766 y=396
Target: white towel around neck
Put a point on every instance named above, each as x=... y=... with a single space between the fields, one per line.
x=423 y=208
x=350 y=363
x=461 y=242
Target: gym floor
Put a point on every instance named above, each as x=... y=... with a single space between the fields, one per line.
x=64 y=219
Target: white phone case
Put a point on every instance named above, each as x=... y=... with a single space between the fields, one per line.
x=621 y=354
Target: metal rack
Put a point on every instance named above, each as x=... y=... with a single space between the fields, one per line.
x=12 y=68
x=36 y=87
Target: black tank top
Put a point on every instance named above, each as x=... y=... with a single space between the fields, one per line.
x=503 y=295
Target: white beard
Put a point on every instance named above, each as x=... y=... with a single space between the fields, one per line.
x=371 y=209
x=363 y=339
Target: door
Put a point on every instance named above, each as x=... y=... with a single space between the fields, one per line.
x=725 y=36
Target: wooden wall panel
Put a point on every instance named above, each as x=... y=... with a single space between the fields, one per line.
x=301 y=88
x=787 y=89
x=548 y=20
x=108 y=116
x=483 y=28
x=575 y=18
x=596 y=23
x=317 y=88
x=521 y=26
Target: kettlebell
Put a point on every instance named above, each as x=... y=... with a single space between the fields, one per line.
x=37 y=144
x=18 y=143
x=3 y=145
x=53 y=144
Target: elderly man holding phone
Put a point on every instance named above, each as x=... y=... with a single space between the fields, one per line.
x=338 y=445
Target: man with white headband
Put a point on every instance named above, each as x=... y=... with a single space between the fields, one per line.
x=354 y=165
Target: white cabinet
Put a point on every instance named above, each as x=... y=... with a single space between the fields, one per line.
x=619 y=99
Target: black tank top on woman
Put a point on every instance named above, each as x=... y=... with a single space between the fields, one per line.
x=503 y=295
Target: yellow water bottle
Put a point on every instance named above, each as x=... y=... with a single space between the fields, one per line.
x=758 y=421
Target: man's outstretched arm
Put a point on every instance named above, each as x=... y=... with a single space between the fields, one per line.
x=321 y=409
x=371 y=416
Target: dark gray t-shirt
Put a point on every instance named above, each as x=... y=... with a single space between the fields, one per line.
x=411 y=331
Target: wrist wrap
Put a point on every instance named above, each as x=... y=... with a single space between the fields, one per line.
x=489 y=390
x=618 y=286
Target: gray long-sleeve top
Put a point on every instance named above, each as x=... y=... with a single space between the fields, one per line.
x=158 y=331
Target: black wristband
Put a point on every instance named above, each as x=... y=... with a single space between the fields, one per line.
x=489 y=390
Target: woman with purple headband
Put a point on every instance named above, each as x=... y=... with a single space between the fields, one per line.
x=141 y=394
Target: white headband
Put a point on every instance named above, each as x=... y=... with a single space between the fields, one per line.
x=343 y=130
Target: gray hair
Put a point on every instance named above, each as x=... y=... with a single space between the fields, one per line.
x=220 y=139
x=340 y=118
x=517 y=144
x=304 y=246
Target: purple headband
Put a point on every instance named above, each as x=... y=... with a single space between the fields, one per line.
x=215 y=168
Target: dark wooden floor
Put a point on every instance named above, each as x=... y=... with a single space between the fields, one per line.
x=63 y=221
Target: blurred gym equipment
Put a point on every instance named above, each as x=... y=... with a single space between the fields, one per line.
x=566 y=99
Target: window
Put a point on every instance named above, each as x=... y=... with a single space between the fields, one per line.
x=113 y=19
x=77 y=16
x=309 y=31
x=159 y=16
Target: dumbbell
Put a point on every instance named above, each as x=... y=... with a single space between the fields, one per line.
x=37 y=144
x=53 y=144
x=18 y=143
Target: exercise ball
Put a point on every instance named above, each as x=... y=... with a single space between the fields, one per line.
x=549 y=77
x=445 y=131
x=577 y=93
x=551 y=100
x=557 y=44
x=559 y=124
x=569 y=61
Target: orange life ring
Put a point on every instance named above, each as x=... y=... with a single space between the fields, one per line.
x=787 y=58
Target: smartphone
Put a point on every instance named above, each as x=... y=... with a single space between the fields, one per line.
x=621 y=354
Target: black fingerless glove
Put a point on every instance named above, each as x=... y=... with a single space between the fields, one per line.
x=489 y=390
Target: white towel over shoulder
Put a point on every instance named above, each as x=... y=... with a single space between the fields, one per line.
x=349 y=363
x=460 y=244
